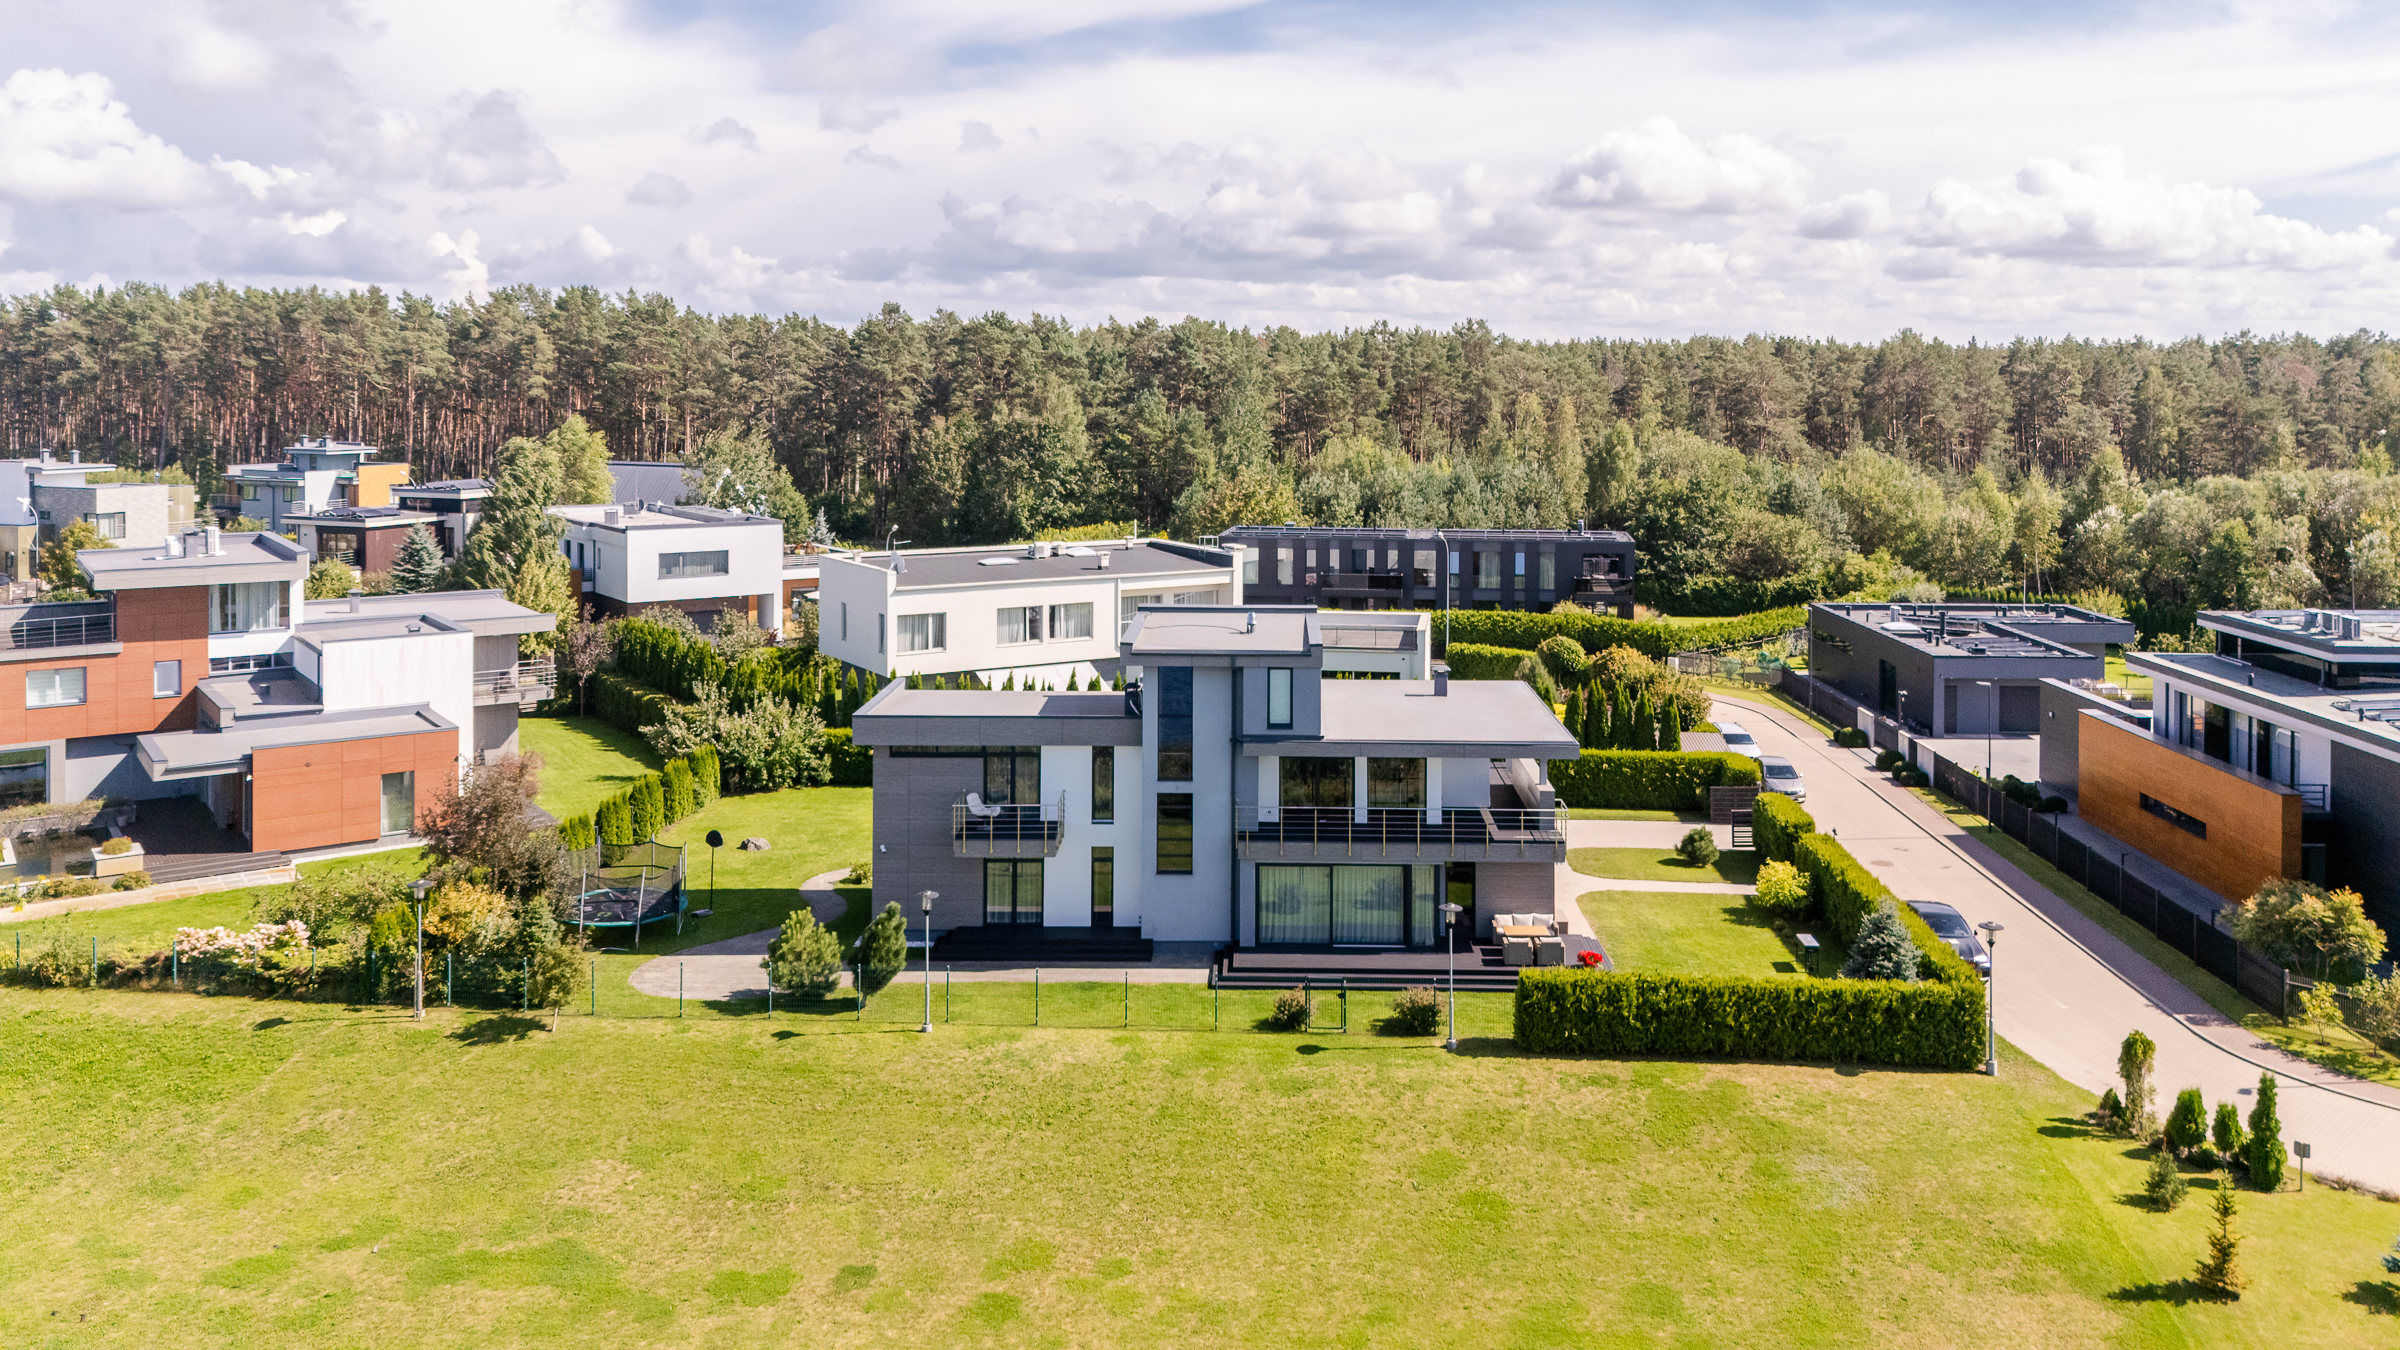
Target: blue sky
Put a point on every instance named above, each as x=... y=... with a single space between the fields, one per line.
x=1630 y=170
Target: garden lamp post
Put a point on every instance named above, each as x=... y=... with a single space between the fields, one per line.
x=1450 y=913
x=925 y=907
x=1991 y=999
x=418 y=890
x=716 y=840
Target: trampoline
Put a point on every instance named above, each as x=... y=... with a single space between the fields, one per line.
x=629 y=886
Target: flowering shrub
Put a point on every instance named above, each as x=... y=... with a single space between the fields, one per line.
x=1590 y=958
x=272 y=954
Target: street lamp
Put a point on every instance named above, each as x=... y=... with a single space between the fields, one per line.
x=418 y=891
x=925 y=906
x=1991 y=999
x=1450 y=913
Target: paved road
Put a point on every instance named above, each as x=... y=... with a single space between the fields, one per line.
x=2068 y=989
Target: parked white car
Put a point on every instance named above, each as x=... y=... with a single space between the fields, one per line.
x=1738 y=739
x=1782 y=777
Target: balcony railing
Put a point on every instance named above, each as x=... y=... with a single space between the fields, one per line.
x=68 y=630
x=2314 y=796
x=1532 y=834
x=524 y=684
x=1027 y=831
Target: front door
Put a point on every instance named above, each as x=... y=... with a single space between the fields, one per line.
x=1012 y=890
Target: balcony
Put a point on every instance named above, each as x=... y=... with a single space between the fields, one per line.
x=87 y=629
x=1029 y=831
x=1323 y=834
x=1372 y=584
x=524 y=684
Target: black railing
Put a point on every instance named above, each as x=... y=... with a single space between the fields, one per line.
x=71 y=630
x=1006 y=831
x=1309 y=831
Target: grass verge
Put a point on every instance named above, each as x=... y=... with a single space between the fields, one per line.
x=1738 y=866
x=585 y=761
x=1612 y=813
x=1682 y=933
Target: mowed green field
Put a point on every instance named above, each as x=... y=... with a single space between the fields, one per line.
x=223 y=1172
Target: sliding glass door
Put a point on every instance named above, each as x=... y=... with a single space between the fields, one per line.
x=1012 y=890
x=1348 y=906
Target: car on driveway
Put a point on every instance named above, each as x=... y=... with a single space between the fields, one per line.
x=1782 y=777
x=1738 y=739
x=1951 y=926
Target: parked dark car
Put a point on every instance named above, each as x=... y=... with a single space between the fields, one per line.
x=1951 y=926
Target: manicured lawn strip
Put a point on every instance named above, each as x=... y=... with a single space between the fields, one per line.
x=808 y=830
x=2344 y=1050
x=203 y=1172
x=1612 y=813
x=584 y=761
x=1686 y=933
x=1739 y=867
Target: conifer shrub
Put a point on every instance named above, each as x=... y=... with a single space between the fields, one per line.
x=883 y=951
x=648 y=803
x=1698 y=847
x=675 y=789
x=1776 y=824
x=2225 y=1134
x=1883 y=949
x=806 y=958
x=2135 y=1055
x=2187 y=1124
x=1628 y=780
x=1926 y=1023
x=2265 y=1149
x=2165 y=1185
x=2220 y=1272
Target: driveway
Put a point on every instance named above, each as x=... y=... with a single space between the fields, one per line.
x=2068 y=990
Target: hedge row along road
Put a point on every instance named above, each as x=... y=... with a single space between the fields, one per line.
x=2068 y=989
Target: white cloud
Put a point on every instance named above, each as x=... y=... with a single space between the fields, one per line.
x=316 y=226
x=975 y=136
x=470 y=277
x=866 y=155
x=658 y=189
x=488 y=142
x=1853 y=215
x=726 y=131
x=1658 y=167
x=66 y=139
x=208 y=59
x=256 y=181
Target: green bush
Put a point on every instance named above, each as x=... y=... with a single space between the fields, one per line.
x=2187 y=1124
x=853 y=765
x=1729 y=595
x=675 y=790
x=115 y=846
x=708 y=776
x=1563 y=656
x=615 y=821
x=883 y=951
x=1648 y=780
x=1882 y=950
x=2264 y=1152
x=1846 y=893
x=629 y=704
x=577 y=831
x=1782 y=891
x=649 y=804
x=1929 y=1024
x=1416 y=1011
x=2225 y=1133
x=806 y=957
x=1525 y=632
x=1697 y=847
x=1776 y=825
x=1888 y=760
x=133 y=881
x=1850 y=738
x=1293 y=1010
x=1471 y=661
x=2165 y=1186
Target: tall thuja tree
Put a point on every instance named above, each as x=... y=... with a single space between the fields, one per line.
x=1670 y=727
x=516 y=547
x=2134 y=1058
x=2264 y=1152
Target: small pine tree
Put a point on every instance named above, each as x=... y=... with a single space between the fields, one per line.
x=2111 y=1107
x=1118 y=683
x=2220 y=1271
x=2135 y=1055
x=2265 y=1150
x=806 y=957
x=676 y=781
x=1573 y=716
x=2225 y=1133
x=883 y=952
x=2187 y=1124
x=2165 y=1185
x=1883 y=950
x=417 y=567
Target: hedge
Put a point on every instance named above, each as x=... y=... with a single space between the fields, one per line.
x=1776 y=823
x=1474 y=661
x=627 y=703
x=1729 y=596
x=1846 y=893
x=1648 y=780
x=1524 y=632
x=853 y=764
x=1928 y=1024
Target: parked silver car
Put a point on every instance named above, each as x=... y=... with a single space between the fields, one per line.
x=1738 y=739
x=1782 y=777
x=1951 y=926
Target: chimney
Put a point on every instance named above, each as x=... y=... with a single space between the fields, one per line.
x=354 y=594
x=174 y=546
x=77 y=456
x=1033 y=550
x=1103 y=562
x=1441 y=679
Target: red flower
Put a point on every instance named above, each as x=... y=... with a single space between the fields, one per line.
x=1589 y=958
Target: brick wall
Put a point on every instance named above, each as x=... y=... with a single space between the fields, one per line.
x=152 y=625
x=309 y=796
x=2253 y=826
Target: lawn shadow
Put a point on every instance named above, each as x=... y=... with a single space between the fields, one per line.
x=2177 y=1292
x=2068 y=1127
x=2376 y=1296
x=499 y=1029
x=271 y=1023
x=1374 y=1046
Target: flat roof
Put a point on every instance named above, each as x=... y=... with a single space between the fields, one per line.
x=486 y=613
x=657 y=515
x=447 y=485
x=1504 y=719
x=280 y=692
x=1008 y=564
x=1954 y=631
x=187 y=754
x=1164 y=632
x=371 y=517
x=901 y=716
x=1427 y=534
x=245 y=557
x=2369 y=714
x=2335 y=634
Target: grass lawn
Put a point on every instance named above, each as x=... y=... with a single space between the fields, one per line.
x=1612 y=813
x=2132 y=681
x=145 y=928
x=1687 y=934
x=1739 y=866
x=210 y=1172
x=585 y=761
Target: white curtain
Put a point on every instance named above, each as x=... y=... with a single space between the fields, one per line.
x=1366 y=905
x=246 y=606
x=1294 y=904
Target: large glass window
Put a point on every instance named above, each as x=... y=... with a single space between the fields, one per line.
x=1195 y=597
x=1549 y=576
x=924 y=632
x=53 y=688
x=1283 y=564
x=24 y=777
x=1012 y=890
x=712 y=563
x=249 y=606
x=1424 y=568
x=1104 y=887
x=1020 y=623
x=1250 y=568
x=1279 y=697
x=1071 y=621
x=110 y=524
x=1174 y=724
x=1104 y=784
x=1396 y=783
x=399 y=802
x=1372 y=906
x=1295 y=904
x=1316 y=781
x=1012 y=775
x=1175 y=832
x=1367 y=905
x=1487 y=571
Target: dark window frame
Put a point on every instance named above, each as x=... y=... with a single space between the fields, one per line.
x=1104 y=785
x=2182 y=820
x=1175 y=724
x=1174 y=846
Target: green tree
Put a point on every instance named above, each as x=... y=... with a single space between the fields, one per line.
x=2187 y=1124
x=2227 y=575
x=2165 y=1186
x=676 y=787
x=330 y=579
x=418 y=566
x=1612 y=467
x=2305 y=926
x=2265 y=1149
x=806 y=957
x=2220 y=1272
x=58 y=565
x=2225 y=1132
x=584 y=479
x=649 y=807
x=740 y=473
x=515 y=550
x=883 y=951
x=2134 y=1057
x=1883 y=950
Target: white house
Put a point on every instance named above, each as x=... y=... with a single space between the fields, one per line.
x=1043 y=612
x=698 y=559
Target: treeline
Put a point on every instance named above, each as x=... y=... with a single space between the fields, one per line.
x=1739 y=463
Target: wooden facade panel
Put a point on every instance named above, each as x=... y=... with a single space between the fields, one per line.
x=152 y=626
x=2253 y=825
x=310 y=796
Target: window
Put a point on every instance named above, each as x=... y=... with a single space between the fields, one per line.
x=1104 y=887
x=1019 y=624
x=1487 y=571
x=110 y=524
x=1549 y=577
x=249 y=606
x=24 y=777
x=1128 y=605
x=1423 y=568
x=1375 y=906
x=1520 y=572
x=1454 y=564
x=1396 y=783
x=249 y=492
x=1071 y=621
x=1283 y=565
x=1318 y=781
x=1012 y=775
x=1279 y=698
x=399 y=802
x=1250 y=568
x=1104 y=784
x=1175 y=724
x=714 y=563
x=924 y=632
x=1012 y=890
x=1175 y=833
x=1195 y=597
x=2173 y=817
x=338 y=545
x=291 y=494
x=53 y=688
x=879 y=635
x=166 y=679
x=235 y=665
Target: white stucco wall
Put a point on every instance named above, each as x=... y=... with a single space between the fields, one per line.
x=1198 y=907
x=436 y=669
x=1067 y=877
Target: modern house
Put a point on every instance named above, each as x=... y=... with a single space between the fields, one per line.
x=201 y=672
x=1231 y=795
x=313 y=476
x=2276 y=755
x=1333 y=568
x=698 y=559
x=366 y=537
x=1042 y=612
x=43 y=495
x=1958 y=669
x=456 y=505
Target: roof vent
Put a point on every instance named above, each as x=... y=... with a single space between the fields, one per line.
x=1033 y=550
x=612 y=515
x=1103 y=562
x=1250 y=622
x=214 y=540
x=1441 y=679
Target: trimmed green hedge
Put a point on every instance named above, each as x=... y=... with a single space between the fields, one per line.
x=1927 y=1024
x=1474 y=661
x=1524 y=632
x=1728 y=595
x=627 y=703
x=853 y=765
x=1777 y=822
x=1846 y=893
x=1648 y=780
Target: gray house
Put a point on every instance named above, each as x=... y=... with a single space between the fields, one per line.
x=1230 y=795
x=1958 y=669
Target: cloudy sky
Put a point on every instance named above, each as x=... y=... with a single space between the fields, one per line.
x=1653 y=169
